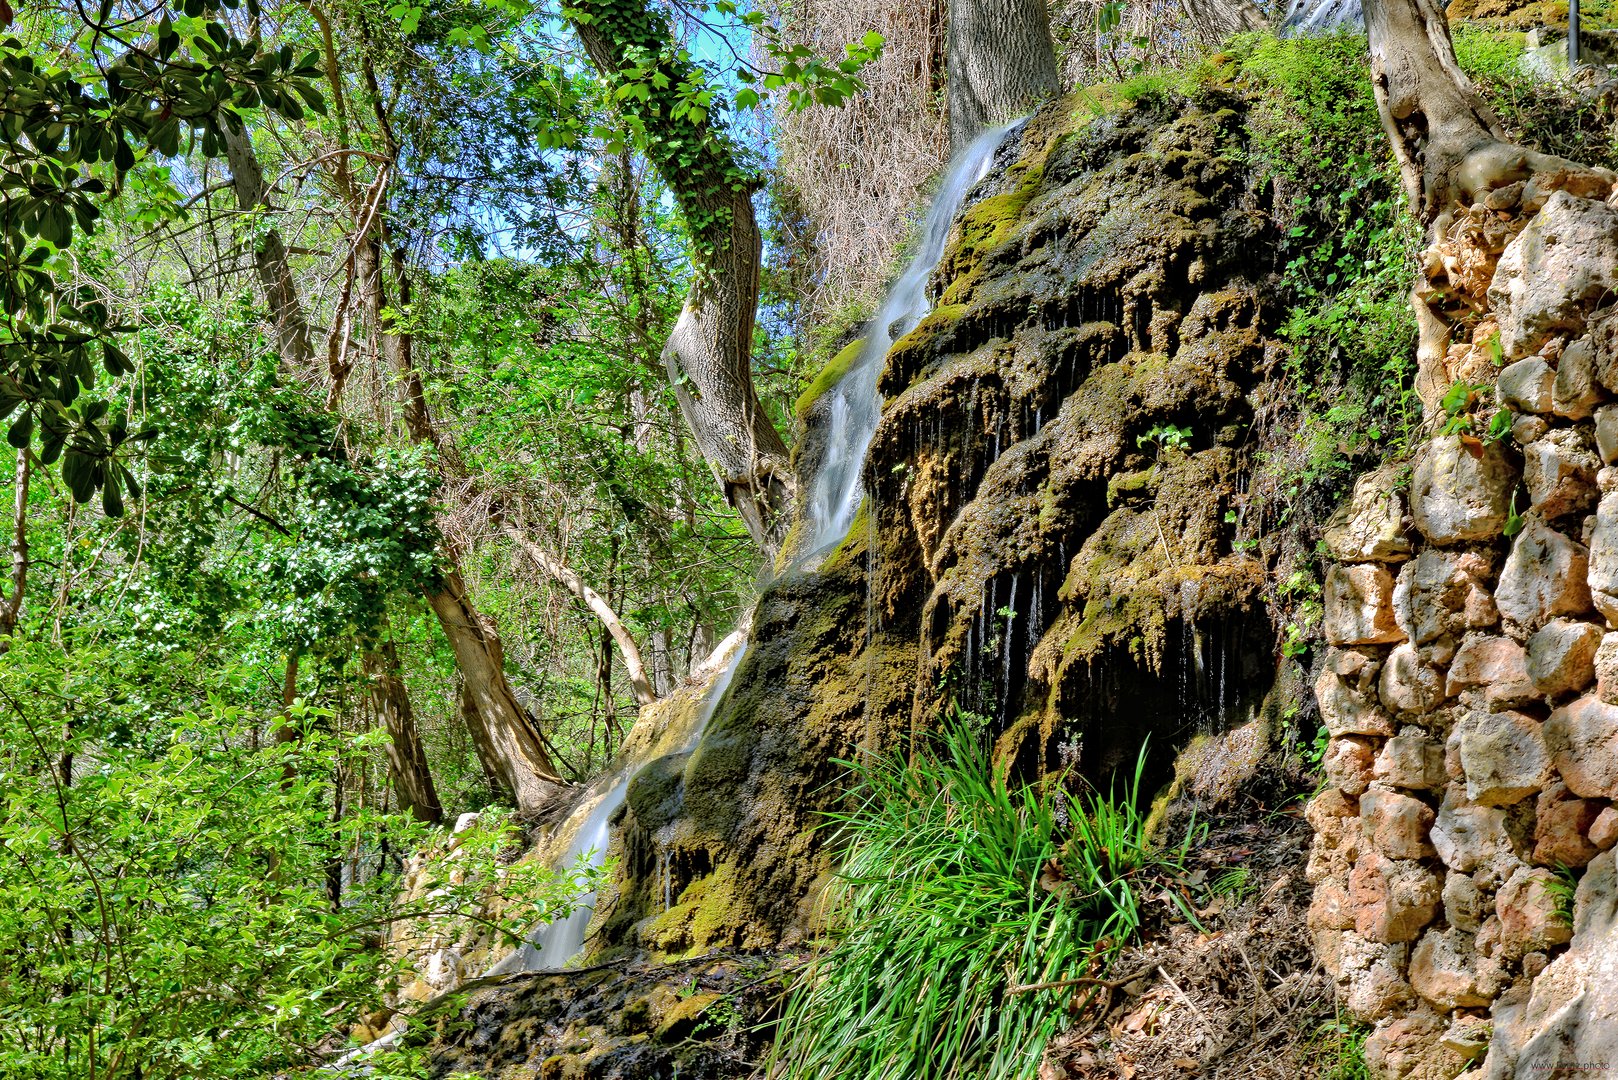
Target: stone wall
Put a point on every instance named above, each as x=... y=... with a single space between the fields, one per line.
x=1470 y=685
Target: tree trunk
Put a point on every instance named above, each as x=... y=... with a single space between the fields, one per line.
x=11 y=606
x=507 y=741
x=709 y=352
x=291 y=330
x=503 y=731
x=1001 y=63
x=407 y=761
x=1450 y=147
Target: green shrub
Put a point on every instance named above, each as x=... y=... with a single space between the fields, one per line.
x=960 y=895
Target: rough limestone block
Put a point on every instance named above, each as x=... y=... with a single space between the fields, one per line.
x=1330 y=908
x=1606 y=665
x=1467 y=836
x=1456 y=498
x=1603 y=566
x=1527 y=908
x=1576 y=392
x=1496 y=664
x=1411 y=1048
x=1394 y=900
x=1606 y=432
x=1568 y=1019
x=1411 y=761
x=1562 y=264
x=1561 y=822
x=1396 y=825
x=1345 y=711
x=1369 y=527
x=1349 y=762
x=1503 y=755
x=1544 y=576
x=1355 y=667
x=1370 y=976
x=1560 y=472
x=1358 y=605
x=1525 y=386
x=1604 y=829
x=1528 y=427
x=1562 y=655
x=1446 y=969
x=1441 y=594
x=1407 y=685
x=1582 y=738
x=1465 y=905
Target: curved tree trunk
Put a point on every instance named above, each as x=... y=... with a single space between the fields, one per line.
x=1000 y=63
x=291 y=329
x=507 y=741
x=709 y=353
x=506 y=737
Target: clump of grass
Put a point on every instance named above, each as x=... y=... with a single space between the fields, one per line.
x=968 y=910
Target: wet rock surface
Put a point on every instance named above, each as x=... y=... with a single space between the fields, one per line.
x=619 y=1021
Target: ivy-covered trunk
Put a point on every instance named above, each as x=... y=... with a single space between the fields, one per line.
x=709 y=353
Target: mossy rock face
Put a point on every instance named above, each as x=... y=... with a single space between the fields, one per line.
x=627 y=1021
x=1033 y=546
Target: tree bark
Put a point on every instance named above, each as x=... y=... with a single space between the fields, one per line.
x=290 y=327
x=628 y=650
x=407 y=761
x=505 y=735
x=1001 y=62
x=11 y=606
x=708 y=354
x=1450 y=147
x=507 y=741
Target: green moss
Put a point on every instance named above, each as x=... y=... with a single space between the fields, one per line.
x=1123 y=487
x=988 y=226
x=829 y=376
x=684 y=1018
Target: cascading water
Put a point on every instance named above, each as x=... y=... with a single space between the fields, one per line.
x=1321 y=16
x=556 y=943
x=855 y=406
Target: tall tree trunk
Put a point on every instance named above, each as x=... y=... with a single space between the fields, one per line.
x=1001 y=63
x=708 y=354
x=291 y=329
x=407 y=761
x=507 y=740
x=11 y=606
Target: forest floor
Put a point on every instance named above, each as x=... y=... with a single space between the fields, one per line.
x=1241 y=996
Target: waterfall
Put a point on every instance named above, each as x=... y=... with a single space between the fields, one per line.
x=855 y=405
x=555 y=943
x=1321 y=16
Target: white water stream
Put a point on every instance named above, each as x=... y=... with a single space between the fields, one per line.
x=834 y=497
x=554 y=944
x=1321 y=16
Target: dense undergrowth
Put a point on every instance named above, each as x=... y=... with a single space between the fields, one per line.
x=969 y=913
